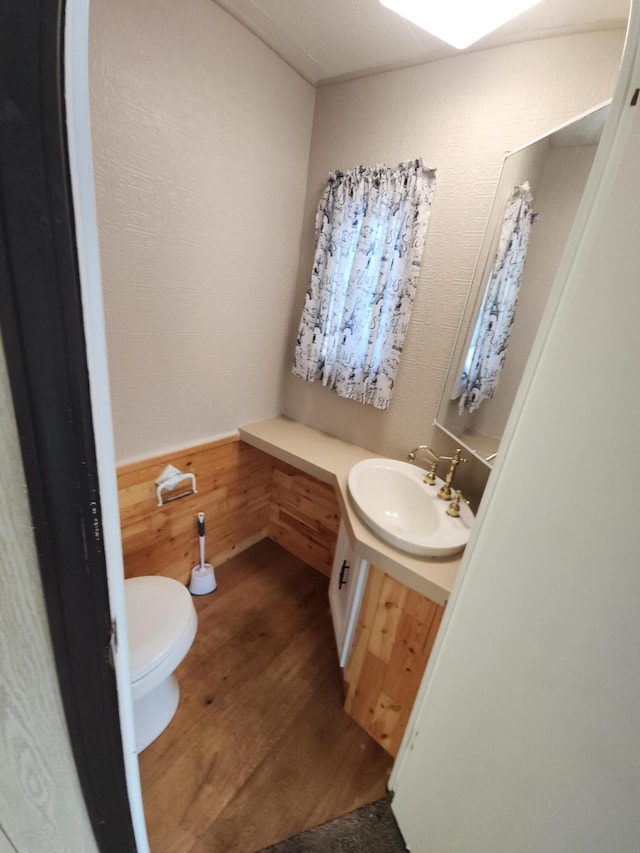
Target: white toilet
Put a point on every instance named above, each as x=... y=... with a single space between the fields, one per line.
x=162 y=622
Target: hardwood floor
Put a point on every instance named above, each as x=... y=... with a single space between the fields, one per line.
x=260 y=748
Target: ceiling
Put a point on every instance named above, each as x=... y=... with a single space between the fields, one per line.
x=325 y=40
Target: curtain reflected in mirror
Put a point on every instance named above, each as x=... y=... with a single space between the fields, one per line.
x=556 y=168
x=487 y=352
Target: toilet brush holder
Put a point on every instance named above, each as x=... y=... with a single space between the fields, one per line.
x=203 y=579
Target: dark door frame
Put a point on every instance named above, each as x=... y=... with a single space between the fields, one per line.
x=43 y=335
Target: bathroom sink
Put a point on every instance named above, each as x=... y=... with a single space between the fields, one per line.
x=392 y=499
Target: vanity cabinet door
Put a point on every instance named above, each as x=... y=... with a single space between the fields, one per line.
x=348 y=577
x=396 y=630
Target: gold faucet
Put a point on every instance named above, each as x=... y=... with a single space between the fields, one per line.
x=445 y=491
x=430 y=478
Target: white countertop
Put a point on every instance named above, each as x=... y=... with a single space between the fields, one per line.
x=330 y=459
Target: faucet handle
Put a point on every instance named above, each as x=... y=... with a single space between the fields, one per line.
x=457 y=458
x=430 y=477
x=454 y=507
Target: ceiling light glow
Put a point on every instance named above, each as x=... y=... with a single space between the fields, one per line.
x=459 y=22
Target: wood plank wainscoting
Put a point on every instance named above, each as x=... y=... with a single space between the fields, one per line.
x=246 y=496
x=395 y=633
x=304 y=516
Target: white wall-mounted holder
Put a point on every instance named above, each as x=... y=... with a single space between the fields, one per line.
x=169 y=479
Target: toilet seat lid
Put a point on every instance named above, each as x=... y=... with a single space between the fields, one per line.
x=160 y=615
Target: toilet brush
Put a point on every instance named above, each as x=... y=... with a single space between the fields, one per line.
x=203 y=579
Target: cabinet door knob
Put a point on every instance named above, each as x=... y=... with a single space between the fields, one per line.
x=342 y=581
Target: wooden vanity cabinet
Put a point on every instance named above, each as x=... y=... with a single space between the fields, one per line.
x=395 y=632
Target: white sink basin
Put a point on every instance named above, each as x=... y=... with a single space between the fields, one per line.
x=392 y=499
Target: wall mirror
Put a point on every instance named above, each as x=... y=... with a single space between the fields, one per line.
x=557 y=167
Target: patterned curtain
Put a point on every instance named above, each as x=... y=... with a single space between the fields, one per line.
x=488 y=348
x=371 y=227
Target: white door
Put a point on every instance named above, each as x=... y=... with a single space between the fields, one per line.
x=525 y=733
x=346 y=587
